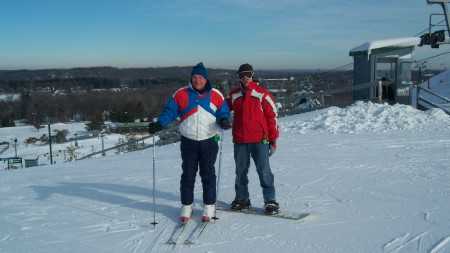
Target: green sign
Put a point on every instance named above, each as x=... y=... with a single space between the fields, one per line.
x=15 y=160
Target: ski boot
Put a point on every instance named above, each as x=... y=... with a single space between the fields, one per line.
x=271 y=207
x=186 y=211
x=208 y=212
x=240 y=204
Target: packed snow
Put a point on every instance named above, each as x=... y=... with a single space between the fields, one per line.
x=368 y=117
x=376 y=177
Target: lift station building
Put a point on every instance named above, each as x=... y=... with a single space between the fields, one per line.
x=388 y=61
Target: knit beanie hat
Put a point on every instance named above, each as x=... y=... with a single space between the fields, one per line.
x=199 y=69
x=245 y=68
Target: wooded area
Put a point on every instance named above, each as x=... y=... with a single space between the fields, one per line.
x=121 y=95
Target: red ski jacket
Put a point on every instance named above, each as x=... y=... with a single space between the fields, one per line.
x=255 y=115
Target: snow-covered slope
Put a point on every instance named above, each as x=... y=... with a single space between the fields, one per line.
x=377 y=177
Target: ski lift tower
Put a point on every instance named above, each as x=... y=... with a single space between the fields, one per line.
x=436 y=38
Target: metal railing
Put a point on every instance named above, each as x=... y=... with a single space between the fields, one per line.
x=118 y=146
x=444 y=107
x=322 y=94
x=168 y=139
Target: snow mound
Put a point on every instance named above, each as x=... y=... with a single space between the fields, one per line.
x=363 y=117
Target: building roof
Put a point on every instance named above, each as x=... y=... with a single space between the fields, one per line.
x=388 y=43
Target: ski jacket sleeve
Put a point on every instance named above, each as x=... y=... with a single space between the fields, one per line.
x=229 y=103
x=170 y=113
x=223 y=111
x=218 y=100
x=270 y=113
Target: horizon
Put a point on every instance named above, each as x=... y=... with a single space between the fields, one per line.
x=256 y=70
x=119 y=68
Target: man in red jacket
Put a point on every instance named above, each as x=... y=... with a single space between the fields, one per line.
x=255 y=132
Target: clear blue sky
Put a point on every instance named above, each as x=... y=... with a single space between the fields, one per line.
x=38 y=34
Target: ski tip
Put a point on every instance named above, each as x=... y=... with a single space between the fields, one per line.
x=187 y=242
x=310 y=216
x=170 y=241
x=305 y=217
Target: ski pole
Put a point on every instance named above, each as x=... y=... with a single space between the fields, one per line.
x=219 y=169
x=154 y=205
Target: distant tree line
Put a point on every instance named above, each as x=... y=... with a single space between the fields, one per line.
x=69 y=85
x=118 y=106
x=86 y=99
x=100 y=72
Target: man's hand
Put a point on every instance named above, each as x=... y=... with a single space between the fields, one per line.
x=224 y=123
x=154 y=127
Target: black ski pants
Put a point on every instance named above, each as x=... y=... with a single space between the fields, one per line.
x=198 y=155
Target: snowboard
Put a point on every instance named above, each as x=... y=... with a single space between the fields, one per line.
x=220 y=205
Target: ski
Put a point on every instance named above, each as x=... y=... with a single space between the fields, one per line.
x=198 y=231
x=260 y=211
x=177 y=232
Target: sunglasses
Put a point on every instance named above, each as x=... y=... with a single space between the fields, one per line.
x=245 y=74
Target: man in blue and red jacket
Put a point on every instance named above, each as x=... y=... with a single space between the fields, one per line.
x=255 y=132
x=202 y=111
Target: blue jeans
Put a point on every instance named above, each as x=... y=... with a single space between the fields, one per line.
x=259 y=152
x=195 y=155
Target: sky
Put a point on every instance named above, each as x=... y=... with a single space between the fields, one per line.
x=288 y=34
x=375 y=177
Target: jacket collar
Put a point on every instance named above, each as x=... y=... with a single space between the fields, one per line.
x=251 y=86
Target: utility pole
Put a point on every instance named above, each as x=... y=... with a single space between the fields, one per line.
x=15 y=146
x=50 y=143
x=102 y=134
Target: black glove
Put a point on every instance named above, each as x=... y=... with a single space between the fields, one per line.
x=154 y=127
x=224 y=123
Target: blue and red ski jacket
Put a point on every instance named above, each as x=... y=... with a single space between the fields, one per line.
x=198 y=112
